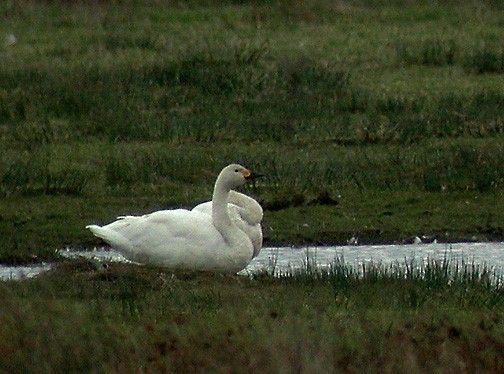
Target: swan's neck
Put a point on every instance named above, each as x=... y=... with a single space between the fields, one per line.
x=220 y=216
x=249 y=209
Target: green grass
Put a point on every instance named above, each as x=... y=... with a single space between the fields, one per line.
x=443 y=314
x=124 y=108
x=370 y=119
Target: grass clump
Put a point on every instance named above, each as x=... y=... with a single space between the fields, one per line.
x=429 y=52
x=35 y=176
x=486 y=59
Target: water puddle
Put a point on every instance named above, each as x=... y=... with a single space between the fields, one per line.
x=101 y=254
x=490 y=255
x=22 y=272
x=283 y=259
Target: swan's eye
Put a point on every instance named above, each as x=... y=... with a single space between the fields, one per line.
x=237 y=170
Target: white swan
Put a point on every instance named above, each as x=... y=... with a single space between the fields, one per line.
x=245 y=212
x=183 y=239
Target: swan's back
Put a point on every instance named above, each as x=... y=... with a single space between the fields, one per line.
x=174 y=239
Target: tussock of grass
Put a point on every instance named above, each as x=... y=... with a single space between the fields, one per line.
x=434 y=167
x=433 y=52
x=486 y=59
x=429 y=274
x=208 y=98
x=34 y=175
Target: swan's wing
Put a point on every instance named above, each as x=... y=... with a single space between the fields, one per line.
x=165 y=227
x=250 y=213
x=168 y=237
x=205 y=208
x=256 y=237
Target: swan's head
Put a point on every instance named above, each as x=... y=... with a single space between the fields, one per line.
x=235 y=175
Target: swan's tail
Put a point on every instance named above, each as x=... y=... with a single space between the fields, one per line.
x=115 y=239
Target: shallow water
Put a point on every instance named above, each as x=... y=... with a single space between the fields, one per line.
x=22 y=272
x=283 y=259
x=489 y=254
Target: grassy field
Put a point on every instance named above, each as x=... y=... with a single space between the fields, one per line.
x=378 y=120
x=130 y=319
x=374 y=119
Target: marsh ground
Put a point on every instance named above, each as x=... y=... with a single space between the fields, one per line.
x=375 y=120
x=83 y=317
x=381 y=120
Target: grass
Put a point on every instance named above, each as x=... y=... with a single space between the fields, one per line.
x=376 y=120
x=136 y=106
x=125 y=317
x=128 y=318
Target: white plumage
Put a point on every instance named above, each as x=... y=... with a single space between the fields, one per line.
x=183 y=239
x=245 y=212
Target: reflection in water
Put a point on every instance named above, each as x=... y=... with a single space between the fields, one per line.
x=285 y=259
